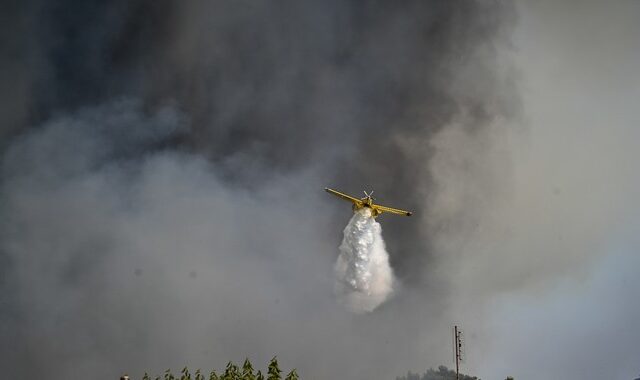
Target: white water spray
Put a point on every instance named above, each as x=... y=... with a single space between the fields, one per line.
x=364 y=278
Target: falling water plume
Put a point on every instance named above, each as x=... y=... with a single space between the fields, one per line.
x=364 y=279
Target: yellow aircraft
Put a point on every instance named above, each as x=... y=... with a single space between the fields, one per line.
x=367 y=201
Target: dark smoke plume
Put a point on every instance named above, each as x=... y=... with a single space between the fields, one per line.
x=143 y=140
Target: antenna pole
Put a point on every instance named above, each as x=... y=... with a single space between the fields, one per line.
x=456 y=335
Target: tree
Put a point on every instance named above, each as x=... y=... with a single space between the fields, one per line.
x=231 y=372
x=443 y=373
x=293 y=375
x=247 y=370
x=273 y=372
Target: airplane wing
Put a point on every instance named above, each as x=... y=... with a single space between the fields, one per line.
x=393 y=210
x=343 y=196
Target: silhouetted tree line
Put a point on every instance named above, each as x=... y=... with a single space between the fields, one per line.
x=246 y=372
x=231 y=372
x=443 y=373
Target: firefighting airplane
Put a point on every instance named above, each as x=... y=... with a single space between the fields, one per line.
x=367 y=202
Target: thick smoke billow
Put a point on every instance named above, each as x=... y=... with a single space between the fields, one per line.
x=162 y=166
x=364 y=277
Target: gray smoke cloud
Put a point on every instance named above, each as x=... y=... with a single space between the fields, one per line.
x=162 y=168
x=562 y=244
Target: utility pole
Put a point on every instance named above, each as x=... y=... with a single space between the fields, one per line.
x=458 y=349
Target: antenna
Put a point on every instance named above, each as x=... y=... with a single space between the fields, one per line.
x=458 y=349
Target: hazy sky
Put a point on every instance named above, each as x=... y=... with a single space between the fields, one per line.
x=163 y=164
x=577 y=221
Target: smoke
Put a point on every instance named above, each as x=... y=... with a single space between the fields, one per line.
x=364 y=277
x=162 y=172
x=162 y=165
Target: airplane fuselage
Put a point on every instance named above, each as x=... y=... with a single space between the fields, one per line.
x=367 y=202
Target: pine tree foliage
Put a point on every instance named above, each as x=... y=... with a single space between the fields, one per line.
x=273 y=372
x=231 y=372
x=293 y=375
x=247 y=370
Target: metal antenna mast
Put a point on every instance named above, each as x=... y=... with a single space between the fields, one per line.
x=458 y=349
